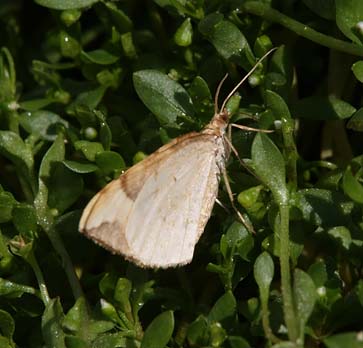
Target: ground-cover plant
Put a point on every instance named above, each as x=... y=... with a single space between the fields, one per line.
x=90 y=87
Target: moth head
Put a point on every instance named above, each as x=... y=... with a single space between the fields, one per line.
x=223 y=111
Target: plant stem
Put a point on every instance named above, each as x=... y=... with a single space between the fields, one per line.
x=46 y=221
x=291 y=154
x=266 y=321
x=39 y=275
x=288 y=303
x=263 y=10
x=66 y=262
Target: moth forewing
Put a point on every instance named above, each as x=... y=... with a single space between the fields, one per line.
x=156 y=211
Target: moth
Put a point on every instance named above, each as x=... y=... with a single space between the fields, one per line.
x=155 y=213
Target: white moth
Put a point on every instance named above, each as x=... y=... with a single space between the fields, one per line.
x=155 y=213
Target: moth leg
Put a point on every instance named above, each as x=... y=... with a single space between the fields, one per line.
x=251 y=129
x=230 y=195
x=222 y=205
x=235 y=152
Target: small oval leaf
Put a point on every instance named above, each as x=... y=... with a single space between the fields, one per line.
x=357 y=69
x=304 y=294
x=263 y=271
x=227 y=39
x=166 y=98
x=65 y=4
x=101 y=57
x=348 y=15
x=352 y=187
x=224 y=308
x=80 y=167
x=347 y=339
x=269 y=165
x=14 y=148
x=159 y=332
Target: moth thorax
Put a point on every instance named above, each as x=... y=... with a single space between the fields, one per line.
x=219 y=123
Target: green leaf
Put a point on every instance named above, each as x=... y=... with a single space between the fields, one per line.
x=109 y=311
x=74 y=319
x=80 y=167
x=304 y=295
x=7 y=324
x=25 y=219
x=198 y=332
x=323 y=8
x=202 y=98
x=107 y=285
x=6 y=343
x=279 y=79
x=159 y=332
x=78 y=322
x=52 y=324
x=99 y=56
x=110 y=161
x=69 y=45
x=7 y=76
x=285 y=344
x=64 y=188
x=7 y=202
x=184 y=34
x=54 y=154
x=105 y=131
x=35 y=104
x=12 y=290
x=65 y=4
x=352 y=187
x=322 y=108
x=224 y=309
x=356 y=122
x=321 y=207
x=359 y=291
x=227 y=39
x=252 y=200
x=70 y=17
x=277 y=105
x=262 y=45
x=89 y=99
x=89 y=149
x=348 y=15
x=112 y=340
x=217 y=334
x=238 y=342
x=269 y=165
x=342 y=235
x=75 y=342
x=42 y=123
x=96 y=327
x=13 y=148
x=166 y=98
x=263 y=271
x=250 y=309
x=347 y=339
x=318 y=273
x=122 y=22
x=128 y=45
x=357 y=69
x=142 y=290
x=122 y=294
x=237 y=241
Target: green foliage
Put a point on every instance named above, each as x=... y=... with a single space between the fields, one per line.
x=90 y=87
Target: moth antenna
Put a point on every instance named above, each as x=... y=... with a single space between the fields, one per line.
x=216 y=96
x=246 y=77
